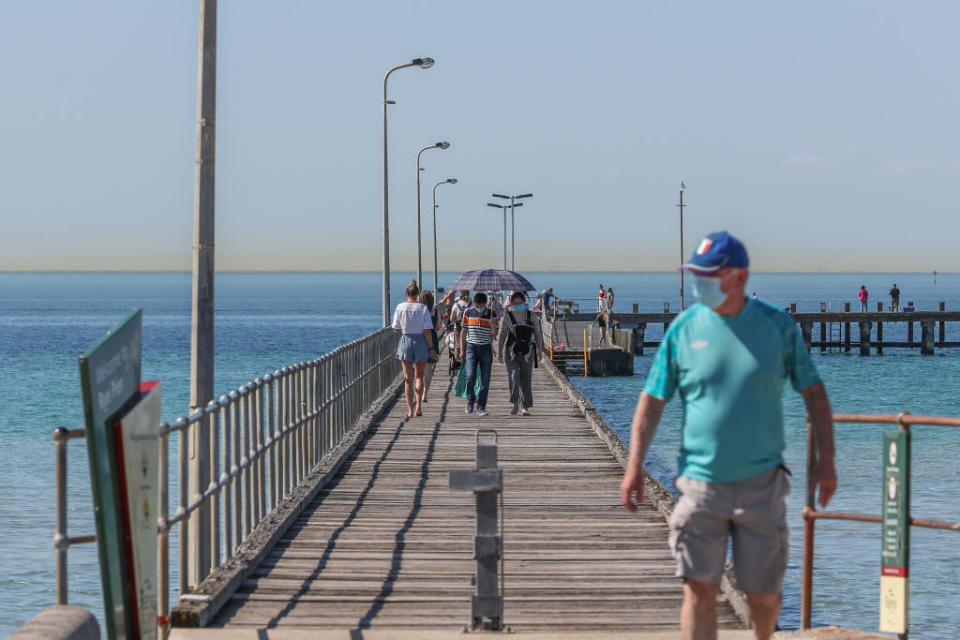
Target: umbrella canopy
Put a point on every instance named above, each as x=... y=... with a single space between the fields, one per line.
x=492 y=280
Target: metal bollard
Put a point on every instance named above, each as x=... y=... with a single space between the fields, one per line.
x=486 y=482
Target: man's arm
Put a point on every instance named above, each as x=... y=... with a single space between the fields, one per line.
x=645 y=421
x=818 y=408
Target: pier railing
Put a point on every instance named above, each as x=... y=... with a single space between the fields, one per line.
x=904 y=422
x=266 y=436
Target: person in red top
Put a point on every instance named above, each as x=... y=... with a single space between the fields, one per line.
x=864 y=296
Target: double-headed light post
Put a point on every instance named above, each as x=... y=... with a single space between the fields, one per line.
x=423 y=63
x=513 y=235
x=438 y=145
x=504 y=207
x=435 y=277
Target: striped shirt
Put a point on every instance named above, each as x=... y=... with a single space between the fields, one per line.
x=479 y=326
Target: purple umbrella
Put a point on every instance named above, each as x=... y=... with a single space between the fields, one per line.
x=492 y=280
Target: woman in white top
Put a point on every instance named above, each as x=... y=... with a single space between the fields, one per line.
x=412 y=321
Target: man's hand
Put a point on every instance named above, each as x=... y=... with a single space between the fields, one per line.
x=825 y=476
x=631 y=489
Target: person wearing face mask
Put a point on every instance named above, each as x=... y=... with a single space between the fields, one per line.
x=476 y=351
x=728 y=358
x=520 y=333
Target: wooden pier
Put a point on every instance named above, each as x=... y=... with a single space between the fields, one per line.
x=845 y=331
x=385 y=545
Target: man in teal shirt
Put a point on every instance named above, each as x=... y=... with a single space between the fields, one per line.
x=728 y=358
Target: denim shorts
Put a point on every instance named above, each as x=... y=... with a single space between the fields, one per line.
x=752 y=511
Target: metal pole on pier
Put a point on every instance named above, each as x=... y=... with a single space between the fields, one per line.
x=682 y=187
x=503 y=207
x=513 y=229
x=447 y=181
x=201 y=321
x=423 y=63
x=439 y=145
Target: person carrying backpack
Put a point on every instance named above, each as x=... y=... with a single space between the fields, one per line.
x=520 y=333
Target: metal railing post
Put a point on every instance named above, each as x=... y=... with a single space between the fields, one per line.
x=61 y=541
x=806 y=595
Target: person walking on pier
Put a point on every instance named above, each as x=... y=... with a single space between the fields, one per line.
x=864 y=296
x=426 y=299
x=476 y=350
x=412 y=321
x=520 y=331
x=728 y=358
x=894 y=298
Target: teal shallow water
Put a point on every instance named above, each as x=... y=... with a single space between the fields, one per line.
x=265 y=321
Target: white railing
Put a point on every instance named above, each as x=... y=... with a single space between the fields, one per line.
x=265 y=437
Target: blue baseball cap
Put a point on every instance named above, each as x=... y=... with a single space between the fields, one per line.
x=716 y=251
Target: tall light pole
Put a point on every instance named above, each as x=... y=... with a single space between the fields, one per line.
x=435 y=278
x=439 y=145
x=423 y=63
x=513 y=237
x=682 y=254
x=201 y=320
x=504 y=207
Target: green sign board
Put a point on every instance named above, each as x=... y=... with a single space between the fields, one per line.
x=109 y=379
x=895 y=552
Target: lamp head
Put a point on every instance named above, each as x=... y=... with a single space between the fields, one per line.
x=452 y=180
x=498 y=206
x=443 y=145
x=498 y=195
x=526 y=195
x=423 y=63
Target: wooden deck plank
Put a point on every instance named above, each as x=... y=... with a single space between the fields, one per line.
x=388 y=545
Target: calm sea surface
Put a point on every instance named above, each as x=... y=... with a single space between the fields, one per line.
x=265 y=321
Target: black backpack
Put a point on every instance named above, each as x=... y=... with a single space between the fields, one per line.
x=520 y=338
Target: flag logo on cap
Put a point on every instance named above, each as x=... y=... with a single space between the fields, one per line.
x=705 y=245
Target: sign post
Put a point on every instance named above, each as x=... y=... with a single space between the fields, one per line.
x=109 y=379
x=138 y=440
x=895 y=553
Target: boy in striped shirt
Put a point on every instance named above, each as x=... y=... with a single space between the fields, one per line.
x=476 y=350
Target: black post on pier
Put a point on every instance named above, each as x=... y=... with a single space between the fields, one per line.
x=865 y=328
x=943 y=325
x=879 y=338
x=846 y=329
x=806 y=328
x=926 y=337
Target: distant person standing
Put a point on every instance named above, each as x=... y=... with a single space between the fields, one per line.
x=476 y=350
x=520 y=332
x=412 y=321
x=894 y=298
x=601 y=300
x=456 y=312
x=864 y=296
x=546 y=299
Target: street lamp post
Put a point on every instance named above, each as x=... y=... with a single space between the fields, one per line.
x=504 y=207
x=513 y=243
x=435 y=278
x=423 y=63
x=682 y=187
x=439 y=145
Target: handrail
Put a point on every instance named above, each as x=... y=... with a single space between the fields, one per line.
x=266 y=436
x=904 y=421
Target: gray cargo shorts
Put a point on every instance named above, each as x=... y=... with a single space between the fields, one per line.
x=753 y=511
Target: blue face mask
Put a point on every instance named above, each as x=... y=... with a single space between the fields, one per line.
x=481 y=309
x=707 y=291
x=519 y=307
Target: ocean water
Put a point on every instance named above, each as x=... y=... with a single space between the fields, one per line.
x=267 y=320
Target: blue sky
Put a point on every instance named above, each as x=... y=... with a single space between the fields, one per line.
x=822 y=133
